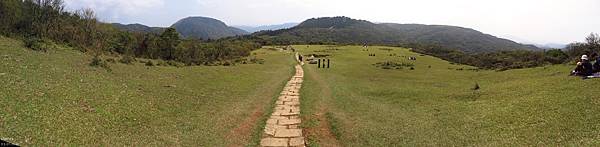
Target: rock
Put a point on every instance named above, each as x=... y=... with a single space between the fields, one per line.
x=274 y=142
x=289 y=121
x=288 y=133
x=298 y=141
x=171 y=86
x=272 y=121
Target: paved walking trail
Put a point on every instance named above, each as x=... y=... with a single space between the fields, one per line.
x=282 y=127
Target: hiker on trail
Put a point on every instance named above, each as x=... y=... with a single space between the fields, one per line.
x=584 y=67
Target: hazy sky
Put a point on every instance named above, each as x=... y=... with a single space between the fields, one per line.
x=529 y=21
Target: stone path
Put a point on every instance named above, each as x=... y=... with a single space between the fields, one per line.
x=282 y=127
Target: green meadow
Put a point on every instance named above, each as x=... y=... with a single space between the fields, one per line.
x=55 y=98
x=436 y=104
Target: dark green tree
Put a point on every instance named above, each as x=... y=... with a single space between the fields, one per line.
x=169 y=40
x=556 y=56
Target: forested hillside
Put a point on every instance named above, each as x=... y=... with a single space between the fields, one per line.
x=205 y=28
x=346 y=30
x=140 y=28
x=43 y=24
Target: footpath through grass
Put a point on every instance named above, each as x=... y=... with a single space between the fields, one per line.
x=435 y=104
x=57 y=99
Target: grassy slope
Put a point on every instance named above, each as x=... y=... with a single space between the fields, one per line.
x=55 y=98
x=369 y=106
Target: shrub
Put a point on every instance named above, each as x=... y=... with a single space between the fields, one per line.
x=161 y=63
x=127 y=59
x=227 y=63
x=175 y=63
x=556 y=56
x=97 y=62
x=111 y=60
x=476 y=87
x=149 y=63
x=393 y=65
x=38 y=44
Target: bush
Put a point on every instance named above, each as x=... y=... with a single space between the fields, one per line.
x=255 y=60
x=97 y=62
x=161 y=63
x=149 y=63
x=556 y=56
x=476 y=87
x=175 y=63
x=126 y=59
x=227 y=63
x=111 y=60
x=393 y=65
x=38 y=44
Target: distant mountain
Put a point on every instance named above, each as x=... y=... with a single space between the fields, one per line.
x=551 y=46
x=267 y=27
x=205 y=28
x=138 y=28
x=352 y=31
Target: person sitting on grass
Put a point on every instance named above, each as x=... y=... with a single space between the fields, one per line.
x=596 y=65
x=584 y=67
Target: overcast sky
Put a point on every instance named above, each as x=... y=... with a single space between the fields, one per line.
x=528 y=21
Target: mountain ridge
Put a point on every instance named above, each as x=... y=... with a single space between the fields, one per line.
x=346 y=30
x=253 y=29
x=205 y=28
x=189 y=27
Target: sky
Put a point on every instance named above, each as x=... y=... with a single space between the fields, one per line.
x=525 y=21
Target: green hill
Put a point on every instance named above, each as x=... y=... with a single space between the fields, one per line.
x=351 y=31
x=138 y=28
x=205 y=28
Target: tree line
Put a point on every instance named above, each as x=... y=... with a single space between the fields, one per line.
x=514 y=59
x=41 y=23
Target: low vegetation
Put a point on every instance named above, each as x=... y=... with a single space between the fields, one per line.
x=512 y=59
x=394 y=65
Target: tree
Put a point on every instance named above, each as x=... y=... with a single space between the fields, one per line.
x=169 y=40
x=10 y=15
x=124 y=43
x=556 y=56
x=593 y=42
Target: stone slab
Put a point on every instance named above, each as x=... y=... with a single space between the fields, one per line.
x=289 y=121
x=298 y=141
x=274 y=142
x=288 y=133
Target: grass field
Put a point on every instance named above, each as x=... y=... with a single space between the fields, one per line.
x=354 y=103
x=57 y=99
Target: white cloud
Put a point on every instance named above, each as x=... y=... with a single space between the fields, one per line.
x=115 y=9
x=539 y=21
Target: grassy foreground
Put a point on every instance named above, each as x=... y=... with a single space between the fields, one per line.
x=56 y=99
x=435 y=104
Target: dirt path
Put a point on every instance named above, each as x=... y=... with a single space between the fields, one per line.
x=321 y=132
x=282 y=127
